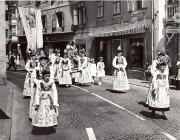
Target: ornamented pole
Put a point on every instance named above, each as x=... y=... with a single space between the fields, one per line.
x=3 y=78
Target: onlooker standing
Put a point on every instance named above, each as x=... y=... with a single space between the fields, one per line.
x=178 y=74
x=120 y=81
x=12 y=62
x=100 y=70
x=169 y=63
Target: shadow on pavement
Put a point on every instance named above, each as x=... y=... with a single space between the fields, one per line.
x=143 y=103
x=115 y=91
x=43 y=130
x=149 y=115
x=3 y=115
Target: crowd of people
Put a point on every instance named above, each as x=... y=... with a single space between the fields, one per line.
x=45 y=72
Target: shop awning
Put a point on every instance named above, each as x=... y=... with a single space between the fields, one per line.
x=122 y=31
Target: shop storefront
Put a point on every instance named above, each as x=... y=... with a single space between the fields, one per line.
x=134 y=44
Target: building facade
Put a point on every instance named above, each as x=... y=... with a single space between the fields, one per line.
x=172 y=22
x=104 y=25
x=11 y=18
x=138 y=26
x=57 y=24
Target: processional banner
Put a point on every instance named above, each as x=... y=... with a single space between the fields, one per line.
x=32 y=23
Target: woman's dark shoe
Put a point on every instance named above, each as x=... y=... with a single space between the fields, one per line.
x=153 y=113
x=164 y=117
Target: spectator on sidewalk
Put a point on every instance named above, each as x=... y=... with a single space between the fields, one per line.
x=120 y=80
x=169 y=63
x=100 y=70
x=158 y=97
x=178 y=74
x=12 y=62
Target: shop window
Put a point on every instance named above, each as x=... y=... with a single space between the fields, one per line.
x=116 y=7
x=60 y=19
x=81 y=13
x=13 y=29
x=79 y=47
x=100 y=9
x=44 y=22
x=137 y=53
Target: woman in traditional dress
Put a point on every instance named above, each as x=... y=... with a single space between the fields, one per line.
x=85 y=75
x=120 y=81
x=158 y=97
x=30 y=65
x=65 y=76
x=92 y=68
x=45 y=102
x=37 y=76
x=75 y=68
x=56 y=67
x=100 y=70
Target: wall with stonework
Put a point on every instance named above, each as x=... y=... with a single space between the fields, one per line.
x=2 y=44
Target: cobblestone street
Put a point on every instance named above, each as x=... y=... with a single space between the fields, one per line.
x=111 y=116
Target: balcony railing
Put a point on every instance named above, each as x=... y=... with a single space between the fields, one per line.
x=170 y=12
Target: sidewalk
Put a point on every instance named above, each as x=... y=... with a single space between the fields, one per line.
x=5 y=111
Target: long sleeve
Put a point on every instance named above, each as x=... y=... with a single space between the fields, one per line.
x=27 y=66
x=37 y=95
x=114 y=63
x=55 y=95
x=124 y=63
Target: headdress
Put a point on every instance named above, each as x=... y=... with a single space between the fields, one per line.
x=119 y=49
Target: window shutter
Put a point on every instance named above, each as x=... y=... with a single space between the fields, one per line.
x=130 y=5
x=144 y=4
x=62 y=19
x=75 y=22
x=84 y=15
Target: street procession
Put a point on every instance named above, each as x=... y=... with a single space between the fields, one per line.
x=90 y=70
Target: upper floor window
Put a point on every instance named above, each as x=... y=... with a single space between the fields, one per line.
x=81 y=13
x=116 y=7
x=52 y=2
x=54 y=23
x=44 y=22
x=135 y=5
x=139 y=4
x=7 y=33
x=100 y=9
x=60 y=19
x=7 y=15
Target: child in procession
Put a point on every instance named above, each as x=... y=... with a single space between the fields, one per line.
x=100 y=70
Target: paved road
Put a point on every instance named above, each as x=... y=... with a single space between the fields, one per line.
x=94 y=112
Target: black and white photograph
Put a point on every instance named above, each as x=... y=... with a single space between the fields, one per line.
x=90 y=70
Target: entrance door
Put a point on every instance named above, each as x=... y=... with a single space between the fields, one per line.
x=137 y=53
